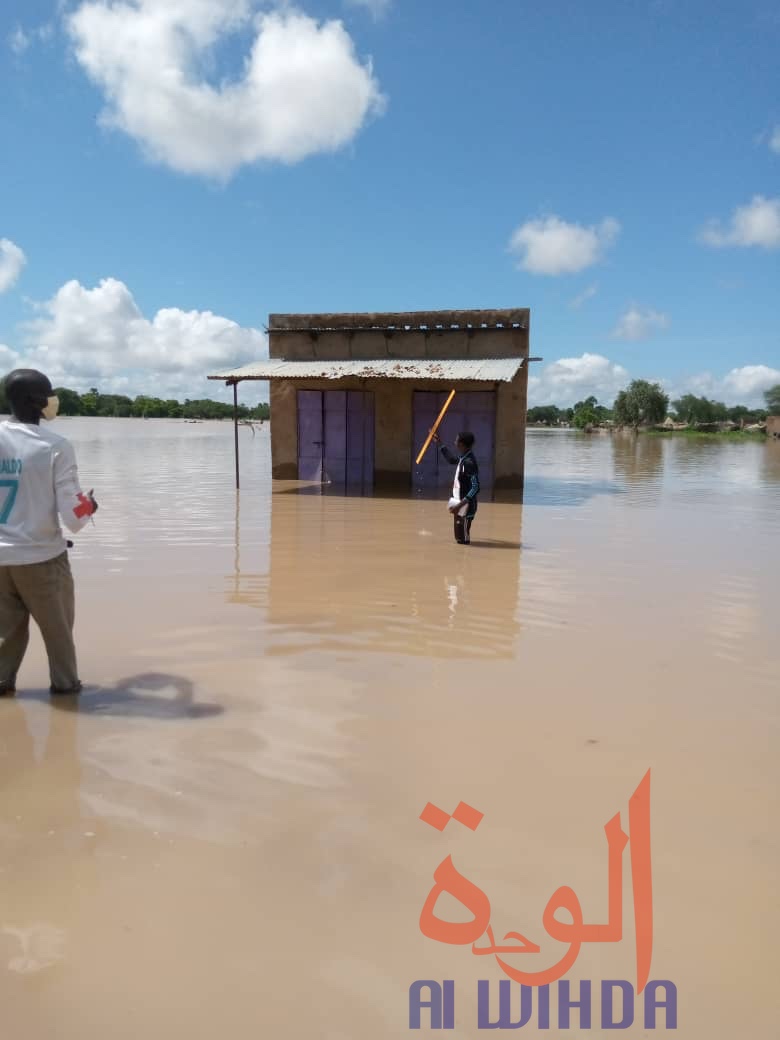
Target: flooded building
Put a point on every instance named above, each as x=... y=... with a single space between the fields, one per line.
x=353 y=396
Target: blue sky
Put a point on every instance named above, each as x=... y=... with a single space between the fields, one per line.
x=614 y=166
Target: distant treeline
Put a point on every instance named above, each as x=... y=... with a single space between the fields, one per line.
x=120 y=407
x=640 y=402
x=645 y=402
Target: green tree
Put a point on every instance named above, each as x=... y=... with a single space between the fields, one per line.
x=692 y=410
x=585 y=413
x=156 y=408
x=589 y=413
x=546 y=413
x=772 y=398
x=641 y=404
x=93 y=403
x=142 y=406
x=123 y=406
x=90 y=402
x=70 y=401
x=113 y=405
x=208 y=409
x=740 y=413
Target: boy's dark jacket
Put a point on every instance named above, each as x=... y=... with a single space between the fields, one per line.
x=469 y=473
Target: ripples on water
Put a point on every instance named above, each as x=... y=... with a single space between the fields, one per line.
x=304 y=671
x=601 y=512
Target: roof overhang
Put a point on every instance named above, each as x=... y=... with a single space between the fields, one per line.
x=479 y=370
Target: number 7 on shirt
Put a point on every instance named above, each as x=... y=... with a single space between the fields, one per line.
x=8 y=504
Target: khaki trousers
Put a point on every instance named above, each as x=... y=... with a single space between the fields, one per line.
x=43 y=591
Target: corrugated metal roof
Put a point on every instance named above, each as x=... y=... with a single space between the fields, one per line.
x=487 y=370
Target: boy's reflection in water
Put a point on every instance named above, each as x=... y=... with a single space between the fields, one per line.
x=46 y=847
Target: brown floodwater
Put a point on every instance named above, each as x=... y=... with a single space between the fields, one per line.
x=222 y=837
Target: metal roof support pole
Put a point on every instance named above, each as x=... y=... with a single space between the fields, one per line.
x=235 y=429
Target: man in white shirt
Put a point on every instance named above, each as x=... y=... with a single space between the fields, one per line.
x=39 y=484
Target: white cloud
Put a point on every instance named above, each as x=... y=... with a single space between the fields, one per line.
x=378 y=8
x=19 y=41
x=8 y=358
x=12 y=260
x=99 y=337
x=587 y=294
x=22 y=39
x=551 y=246
x=302 y=90
x=745 y=385
x=636 y=324
x=755 y=224
x=774 y=140
x=568 y=380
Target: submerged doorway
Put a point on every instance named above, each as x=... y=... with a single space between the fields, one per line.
x=474 y=411
x=336 y=437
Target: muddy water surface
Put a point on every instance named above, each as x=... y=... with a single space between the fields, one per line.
x=222 y=837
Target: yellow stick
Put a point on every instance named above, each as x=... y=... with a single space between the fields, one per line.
x=442 y=413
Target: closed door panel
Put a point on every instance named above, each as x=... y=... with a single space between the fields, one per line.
x=360 y=439
x=310 y=434
x=335 y=436
x=472 y=411
x=425 y=409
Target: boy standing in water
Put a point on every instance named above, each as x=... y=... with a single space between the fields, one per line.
x=465 y=488
x=39 y=482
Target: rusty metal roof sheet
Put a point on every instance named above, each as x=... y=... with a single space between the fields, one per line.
x=483 y=370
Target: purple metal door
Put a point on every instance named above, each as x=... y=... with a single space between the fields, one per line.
x=335 y=408
x=336 y=437
x=425 y=410
x=474 y=411
x=360 y=439
x=311 y=435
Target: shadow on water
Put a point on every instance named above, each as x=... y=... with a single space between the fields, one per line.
x=150 y=695
x=552 y=491
x=495 y=543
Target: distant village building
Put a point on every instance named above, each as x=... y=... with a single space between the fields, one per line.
x=773 y=426
x=353 y=396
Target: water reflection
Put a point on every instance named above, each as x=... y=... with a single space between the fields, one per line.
x=32 y=738
x=603 y=639
x=384 y=574
x=565 y=468
x=40 y=779
x=638 y=462
x=770 y=469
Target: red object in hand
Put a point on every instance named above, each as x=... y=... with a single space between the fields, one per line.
x=86 y=508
